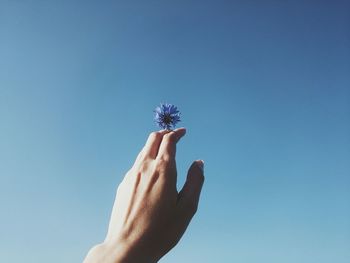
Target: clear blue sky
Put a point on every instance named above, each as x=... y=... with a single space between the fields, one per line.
x=264 y=90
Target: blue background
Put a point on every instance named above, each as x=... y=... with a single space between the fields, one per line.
x=264 y=90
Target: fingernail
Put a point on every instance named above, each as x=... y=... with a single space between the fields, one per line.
x=182 y=130
x=201 y=164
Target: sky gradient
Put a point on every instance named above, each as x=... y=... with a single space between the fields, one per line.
x=264 y=91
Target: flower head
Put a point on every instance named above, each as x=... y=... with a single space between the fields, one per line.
x=167 y=116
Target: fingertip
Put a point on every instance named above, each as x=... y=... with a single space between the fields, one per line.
x=190 y=193
x=200 y=164
x=180 y=131
x=181 y=128
x=196 y=172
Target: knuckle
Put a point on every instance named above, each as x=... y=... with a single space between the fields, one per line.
x=143 y=167
x=170 y=137
x=164 y=162
x=164 y=159
x=155 y=135
x=141 y=155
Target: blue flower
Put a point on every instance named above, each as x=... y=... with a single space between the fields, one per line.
x=167 y=116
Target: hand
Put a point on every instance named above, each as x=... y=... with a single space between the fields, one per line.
x=149 y=216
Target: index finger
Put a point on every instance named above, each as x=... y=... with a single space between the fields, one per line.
x=167 y=148
x=153 y=142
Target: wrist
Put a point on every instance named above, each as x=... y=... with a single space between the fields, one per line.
x=126 y=252
x=105 y=253
x=116 y=252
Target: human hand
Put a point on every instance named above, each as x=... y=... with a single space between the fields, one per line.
x=149 y=215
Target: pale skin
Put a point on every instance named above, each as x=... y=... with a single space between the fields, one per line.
x=149 y=215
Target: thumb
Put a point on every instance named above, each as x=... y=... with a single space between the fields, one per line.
x=189 y=195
